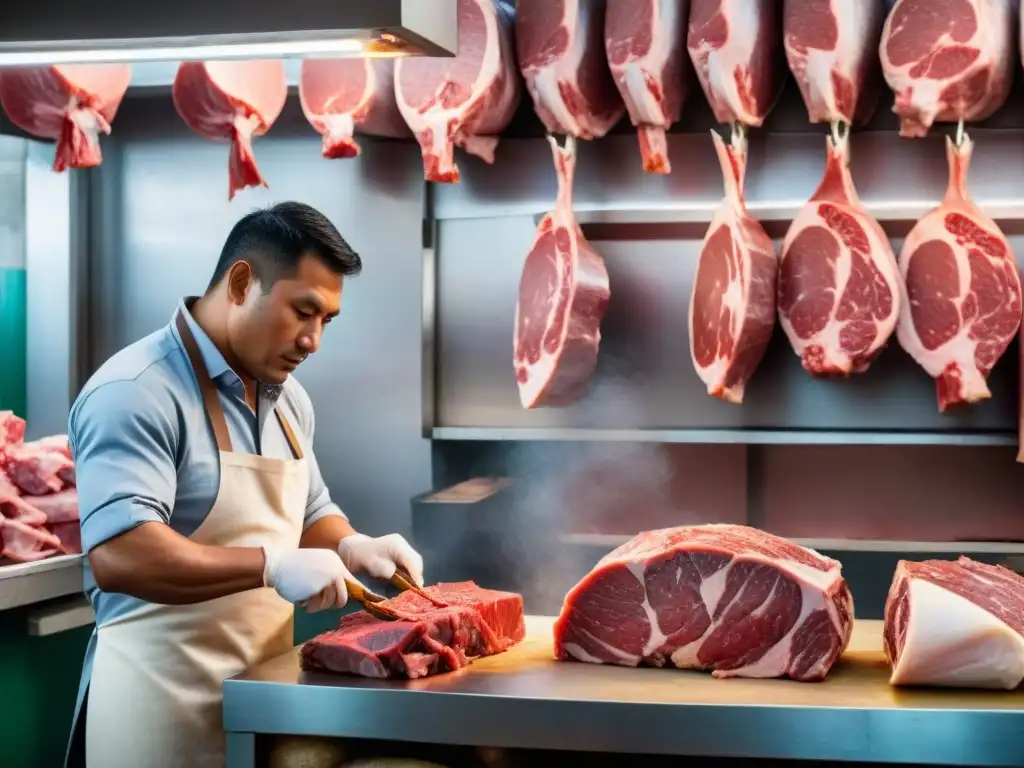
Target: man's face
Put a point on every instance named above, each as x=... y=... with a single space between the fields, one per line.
x=272 y=333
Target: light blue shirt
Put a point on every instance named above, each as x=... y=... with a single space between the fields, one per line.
x=144 y=450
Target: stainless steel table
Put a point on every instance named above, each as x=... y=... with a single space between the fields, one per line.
x=525 y=699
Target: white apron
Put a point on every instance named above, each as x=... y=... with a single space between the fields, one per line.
x=155 y=698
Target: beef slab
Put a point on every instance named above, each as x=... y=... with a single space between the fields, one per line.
x=839 y=285
x=560 y=49
x=563 y=296
x=646 y=45
x=832 y=50
x=732 y=302
x=948 y=60
x=342 y=97
x=963 y=304
x=463 y=622
x=73 y=104
x=729 y=599
x=955 y=623
x=467 y=100
x=736 y=47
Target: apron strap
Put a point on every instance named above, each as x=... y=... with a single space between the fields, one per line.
x=211 y=398
x=289 y=433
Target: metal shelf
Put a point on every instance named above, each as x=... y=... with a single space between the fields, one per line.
x=709 y=436
x=30 y=583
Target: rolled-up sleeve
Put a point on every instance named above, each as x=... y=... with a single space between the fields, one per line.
x=124 y=444
x=318 y=504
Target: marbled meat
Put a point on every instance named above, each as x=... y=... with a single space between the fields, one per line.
x=459 y=622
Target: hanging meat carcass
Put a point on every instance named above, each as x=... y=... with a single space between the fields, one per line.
x=832 y=50
x=645 y=41
x=72 y=104
x=736 y=48
x=342 y=97
x=839 y=289
x=563 y=295
x=732 y=303
x=948 y=61
x=963 y=290
x=561 y=53
x=465 y=101
x=232 y=101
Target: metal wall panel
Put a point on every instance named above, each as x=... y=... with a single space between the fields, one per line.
x=161 y=214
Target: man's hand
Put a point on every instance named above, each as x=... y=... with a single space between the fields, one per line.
x=380 y=556
x=315 y=577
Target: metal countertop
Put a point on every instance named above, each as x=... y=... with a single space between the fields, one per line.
x=526 y=699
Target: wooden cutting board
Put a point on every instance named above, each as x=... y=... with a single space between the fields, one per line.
x=860 y=679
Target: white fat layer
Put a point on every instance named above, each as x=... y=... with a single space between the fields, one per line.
x=950 y=641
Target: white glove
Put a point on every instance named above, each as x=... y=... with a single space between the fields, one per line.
x=315 y=577
x=380 y=556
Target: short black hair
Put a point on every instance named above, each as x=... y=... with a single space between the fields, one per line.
x=273 y=240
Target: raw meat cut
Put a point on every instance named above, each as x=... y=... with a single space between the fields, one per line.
x=728 y=599
x=467 y=100
x=341 y=97
x=732 y=302
x=955 y=623
x=232 y=101
x=832 y=49
x=37 y=470
x=12 y=429
x=72 y=104
x=736 y=48
x=645 y=44
x=56 y=507
x=428 y=640
x=963 y=302
x=560 y=49
x=839 y=287
x=948 y=60
x=563 y=295
x=24 y=543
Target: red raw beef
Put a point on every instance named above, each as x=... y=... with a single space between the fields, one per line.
x=72 y=104
x=232 y=101
x=12 y=429
x=732 y=302
x=37 y=470
x=563 y=295
x=736 y=48
x=832 y=49
x=467 y=100
x=464 y=622
x=963 y=304
x=948 y=60
x=560 y=49
x=728 y=599
x=646 y=45
x=341 y=97
x=839 y=286
x=955 y=623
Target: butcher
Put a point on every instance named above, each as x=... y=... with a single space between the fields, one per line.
x=204 y=514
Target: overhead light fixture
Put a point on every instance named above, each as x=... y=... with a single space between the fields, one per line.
x=112 y=31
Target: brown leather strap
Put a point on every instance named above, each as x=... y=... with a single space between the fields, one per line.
x=289 y=433
x=211 y=398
